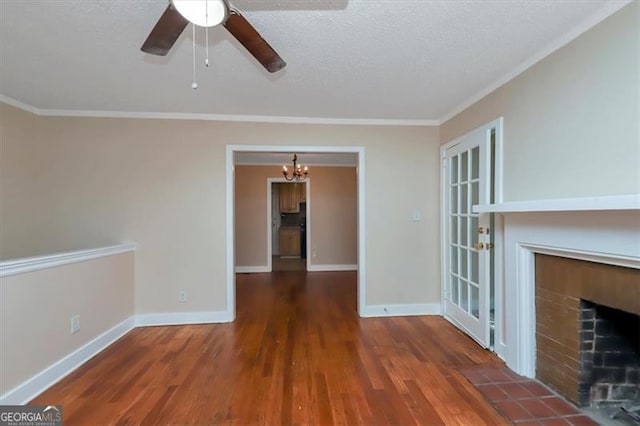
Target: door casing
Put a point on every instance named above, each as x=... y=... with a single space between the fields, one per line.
x=230 y=214
x=270 y=182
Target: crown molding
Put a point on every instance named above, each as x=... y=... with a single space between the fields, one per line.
x=215 y=117
x=20 y=105
x=600 y=15
x=239 y=118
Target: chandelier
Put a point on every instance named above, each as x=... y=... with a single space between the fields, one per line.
x=298 y=173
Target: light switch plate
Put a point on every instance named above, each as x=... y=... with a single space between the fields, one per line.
x=75 y=324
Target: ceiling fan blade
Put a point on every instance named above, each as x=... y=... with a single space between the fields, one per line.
x=244 y=32
x=165 y=33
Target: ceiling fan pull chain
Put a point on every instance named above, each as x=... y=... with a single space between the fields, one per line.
x=206 y=33
x=194 y=85
x=206 y=59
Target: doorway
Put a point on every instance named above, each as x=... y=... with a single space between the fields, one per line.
x=472 y=288
x=231 y=151
x=289 y=224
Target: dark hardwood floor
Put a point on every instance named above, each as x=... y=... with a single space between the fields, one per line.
x=297 y=354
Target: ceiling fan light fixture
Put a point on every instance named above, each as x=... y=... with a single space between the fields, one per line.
x=204 y=13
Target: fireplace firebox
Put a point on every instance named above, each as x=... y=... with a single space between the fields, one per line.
x=588 y=330
x=609 y=356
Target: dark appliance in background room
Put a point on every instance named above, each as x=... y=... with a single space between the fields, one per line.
x=303 y=230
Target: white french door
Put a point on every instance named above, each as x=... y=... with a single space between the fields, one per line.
x=467 y=182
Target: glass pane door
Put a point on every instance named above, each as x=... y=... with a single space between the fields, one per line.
x=464 y=224
x=467 y=184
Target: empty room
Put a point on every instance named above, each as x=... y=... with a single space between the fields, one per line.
x=320 y=212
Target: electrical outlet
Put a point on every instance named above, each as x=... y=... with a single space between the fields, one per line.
x=182 y=296
x=75 y=324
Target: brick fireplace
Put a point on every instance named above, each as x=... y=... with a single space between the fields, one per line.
x=603 y=231
x=588 y=330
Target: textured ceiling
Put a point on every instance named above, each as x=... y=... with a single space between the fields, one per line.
x=355 y=59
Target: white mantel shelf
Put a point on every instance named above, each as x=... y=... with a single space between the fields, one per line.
x=617 y=202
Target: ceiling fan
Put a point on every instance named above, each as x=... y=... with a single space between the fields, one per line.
x=208 y=13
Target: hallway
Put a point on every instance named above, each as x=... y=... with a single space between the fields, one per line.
x=279 y=264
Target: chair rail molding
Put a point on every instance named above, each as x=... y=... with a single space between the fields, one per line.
x=28 y=264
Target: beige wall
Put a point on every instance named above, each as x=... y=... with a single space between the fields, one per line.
x=18 y=131
x=89 y=182
x=333 y=217
x=251 y=214
x=571 y=122
x=36 y=308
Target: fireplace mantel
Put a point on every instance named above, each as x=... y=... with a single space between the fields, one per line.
x=597 y=229
x=610 y=203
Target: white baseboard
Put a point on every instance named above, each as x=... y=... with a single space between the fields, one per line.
x=401 y=310
x=37 y=384
x=501 y=350
x=183 y=318
x=46 y=378
x=318 y=268
x=312 y=268
x=252 y=269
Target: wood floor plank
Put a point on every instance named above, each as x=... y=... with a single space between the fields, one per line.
x=297 y=354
